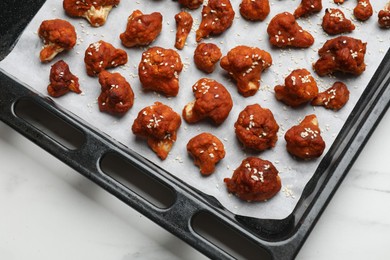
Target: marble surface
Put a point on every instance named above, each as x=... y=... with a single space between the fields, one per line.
x=49 y=211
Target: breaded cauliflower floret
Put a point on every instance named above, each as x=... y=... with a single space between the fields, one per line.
x=158 y=123
x=304 y=140
x=363 y=10
x=184 y=23
x=254 y=180
x=335 y=22
x=142 y=29
x=384 y=16
x=256 y=128
x=245 y=65
x=95 y=11
x=207 y=150
x=255 y=10
x=344 y=54
x=116 y=95
x=159 y=71
x=57 y=35
x=217 y=17
x=308 y=7
x=62 y=80
x=206 y=55
x=284 y=31
x=212 y=101
x=299 y=88
x=102 y=55
x=333 y=98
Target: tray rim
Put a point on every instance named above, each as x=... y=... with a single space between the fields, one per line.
x=280 y=249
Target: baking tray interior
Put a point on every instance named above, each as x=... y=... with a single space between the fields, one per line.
x=193 y=216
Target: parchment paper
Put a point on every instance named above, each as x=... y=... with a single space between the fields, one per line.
x=23 y=64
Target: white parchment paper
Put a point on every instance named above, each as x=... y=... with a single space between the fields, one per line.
x=23 y=64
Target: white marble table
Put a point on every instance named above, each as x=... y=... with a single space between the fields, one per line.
x=49 y=211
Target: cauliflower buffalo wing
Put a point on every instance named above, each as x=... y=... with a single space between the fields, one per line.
x=299 y=88
x=333 y=98
x=256 y=128
x=62 y=80
x=245 y=64
x=191 y=4
x=217 y=17
x=284 y=31
x=212 y=101
x=207 y=150
x=254 y=180
x=184 y=24
x=344 y=54
x=57 y=35
x=304 y=140
x=102 y=55
x=116 y=96
x=335 y=22
x=158 y=123
x=255 y=10
x=206 y=55
x=384 y=16
x=159 y=71
x=95 y=11
x=308 y=7
x=363 y=10
x=142 y=29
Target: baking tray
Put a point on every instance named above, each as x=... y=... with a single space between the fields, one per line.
x=191 y=215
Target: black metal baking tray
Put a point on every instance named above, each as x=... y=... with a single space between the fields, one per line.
x=189 y=214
